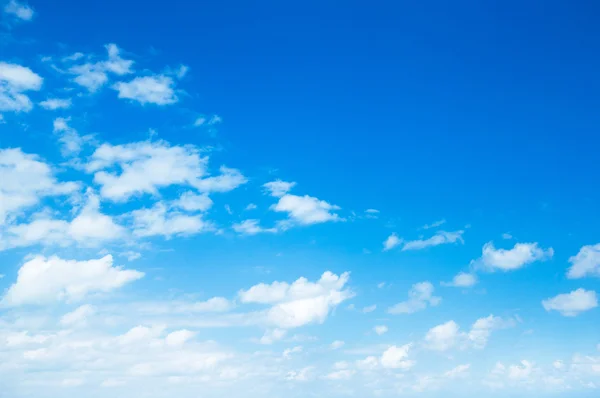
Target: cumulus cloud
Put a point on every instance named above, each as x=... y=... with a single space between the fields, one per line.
x=419 y=297
x=43 y=280
x=573 y=303
x=462 y=279
x=301 y=302
x=190 y=201
x=278 y=188
x=448 y=335
x=20 y=10
x=78 y=316
x=157 y=90
x=442 y=337
x=25 y=180
x=15 y=80
x=520 y=255
x=163 y=221
x=145 y=167
x=306 y=210
x=94 y=75
x=585 y=263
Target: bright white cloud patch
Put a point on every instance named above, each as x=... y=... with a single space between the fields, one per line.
x=158 y=90
x=448 y=335
x=301 y=302
x=69 y=138
x=511 y=259
x=440 y=238
x=162 y=221
x=43 y=280
x=462 y=279
x=380 y=329
x=585 y=263
x=396 y=357
x=25 y=180
x=573 y=303
x=442 y=337
x=419 y=297
x=15 y=80
x=19 y=9
x=306 y=210
x=278 y=188
x=251 y=227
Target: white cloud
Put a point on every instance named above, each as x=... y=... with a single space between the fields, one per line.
x=481 y=330
x=306 y=210
x=369 y=309
x=457 y=372
x=160 y=220
x=15 y=80
x=251 y=227
x=392 y=241
x=300 y=375
x=251 y=206
x=396 y=357
x=157 y=89
x=147 y=166
x=78 y=316
x=380 y=329
x=585 y=263
x=300 y=303
x=56 y=103
x=336 y=345
x=434 y=224
x=46 y=279
x=419 y=297
x=92 y=76
x=272 y=336
x=462 y=279
x=190 y=201
x=70 y=139
x=511 y=259
x=288 y=352
x=20 y=10
x=344 y=374
x=573 y=303
x=520 y=372
x=442 y=337
x=278 y=188
x=179 y=337
x=25 y=180
x=440 y=238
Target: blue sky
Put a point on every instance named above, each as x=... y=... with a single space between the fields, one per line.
x=318 y=199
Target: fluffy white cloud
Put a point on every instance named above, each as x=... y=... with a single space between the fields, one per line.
x=92 y=76
x=160 y=220
x=301 y=302
x=462 y=279
x=158 y=90
x=15 y=80
x=46 y=279
x=392 y=241
x=511 y=259
x=442 y=337
x=380 y=329
x=585 y=263
x=147 y=166
x=288 y=352
x=20 y=10
x=69 y=138
x=25 y=180
x=482 y=329
x=190 y=201
x=89 y=228
x=251 y=227
x=396 y=357
x=179 y=337
x=278 y=188
x=440 y=238
x=299 y=375
x=272 y=336
x=306 y=210
x=419 y=297
x=573 y=303
x=53 y=104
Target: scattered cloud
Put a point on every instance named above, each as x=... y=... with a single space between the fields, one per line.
x=336 y=345
x=278 y=188
x=43 y=280
x=306 y=210
x=585 y=263
x=507 y=236
x=93 y=76
x=521 y=254
x=462 y=279
x=392 y=241
x=15 y=80
x=440 y=238
x=251 y=227
x=78 y=316
x=380 y=329
x=157 y=90
x=434 y=224
x=573 y=303
x=448 y=335
x=162 y=220
x=419 y=297
x=71 y=141
x=53 y=104
x=19 y=9
x=369 y=309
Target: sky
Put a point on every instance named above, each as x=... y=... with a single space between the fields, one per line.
x=315 y=199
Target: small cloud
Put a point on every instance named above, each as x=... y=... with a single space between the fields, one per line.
x=369 y=309
x=380 y=329
x=392 y=241
x=571 y=304
x=53 y=104
x=434 y=224
x=19 y=10
x=251 y=206
x=419 y=297
x=507 y=236
x=337 y=344
x=462 y=279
